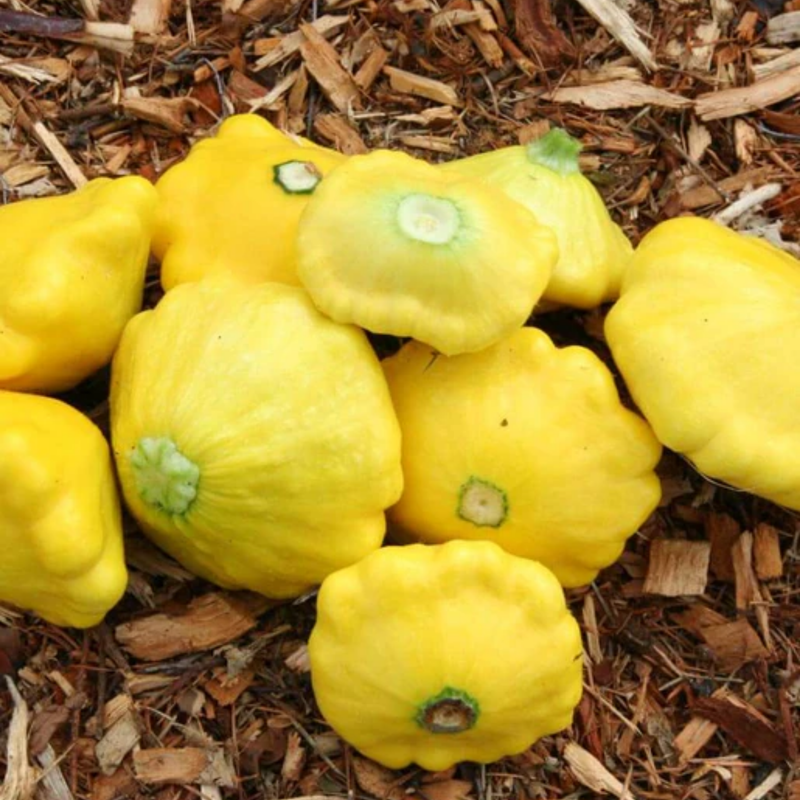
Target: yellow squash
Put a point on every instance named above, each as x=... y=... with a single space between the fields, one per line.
x=393 y=244
x=60 y=525
x=544 y=176
x=232 y=205
x=255 y=439
x=707 y=337
x=434 y=655
x=71 y=275
x=524 y=444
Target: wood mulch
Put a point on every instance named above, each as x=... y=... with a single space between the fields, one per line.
x=692 y=684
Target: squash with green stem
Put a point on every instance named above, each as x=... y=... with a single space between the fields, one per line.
x=545 y=177
x=526 y=445
x=232 y=205
x=435 y=655
x=392 y=244
x=255 y=439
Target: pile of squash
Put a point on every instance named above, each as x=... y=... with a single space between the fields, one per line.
x=442 y=497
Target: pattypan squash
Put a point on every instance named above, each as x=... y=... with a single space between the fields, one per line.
x=545 y=177
x=72 y=271
x=524 y=444
x=255 y=439
x=232 y=205
x=60 y=521
x=393 y=244
x=705 y=334
x=435 y=655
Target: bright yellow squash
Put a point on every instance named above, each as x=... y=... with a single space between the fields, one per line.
x=707 y=337
x=393 y=244
x=60 y=524
x=434 y=655
x=72 y=272
x=545 y=177
x=232 y=205
x=523 y=444
x=255 y=439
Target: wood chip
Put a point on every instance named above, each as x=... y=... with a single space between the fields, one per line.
x=732 y=643
x=619 y=24
x=777 y=65
x=698 y=140
x=538 y=34
x=696 y=734
x=617 y=94
x=747 y=592
x=20 y=778
x=336 y=129
x=706 y=35
x=784 y=28
x=168 y=112
x=746 y=141
x=322 y=62
x=410 y=83
x=225 y=689
x=722 y=531
x=677 y=568
x=149 y=16
x=591 y=631
x=183 y=765
x=590 y=772
x=745 y=725
x=767 y=553
x=487 y=45
x=433 y=144
x=744 y=99
x=119 y=739
x=295 y=758
x=371 y=67
x=290 y=44
x=704 y=195
x=59 y=153
x=23 y=173
x=208 y=621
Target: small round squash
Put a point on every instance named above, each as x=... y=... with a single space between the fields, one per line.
x=72 y=271
x=232 y=205
x=255 y=439
x=524 y=444
x=545 y=177
x=706 y=335
x=60 y=521
x=392 y=244
x=434 y=655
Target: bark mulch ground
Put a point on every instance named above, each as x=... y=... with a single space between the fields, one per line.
x=692 y=681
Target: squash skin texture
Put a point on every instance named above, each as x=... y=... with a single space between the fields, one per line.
x=286 y=420
x=536 y=428
x=460 y=295
x=60 y=519
x=221 y=210
x=704 y=335
x=593 y=250
x=65 y=260
x=407 y=622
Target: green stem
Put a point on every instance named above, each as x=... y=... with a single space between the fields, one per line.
x=556 y=150
x=165 y=478
x=482 y=503
x=450 y=711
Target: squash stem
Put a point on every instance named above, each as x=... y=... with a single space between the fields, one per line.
x=164 y=477
x=482 y=503
x=297 y=177
x=450 y=711
x=556 y=150
x=425 y=218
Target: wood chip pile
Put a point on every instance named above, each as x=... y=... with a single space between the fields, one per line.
x=693 y=662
